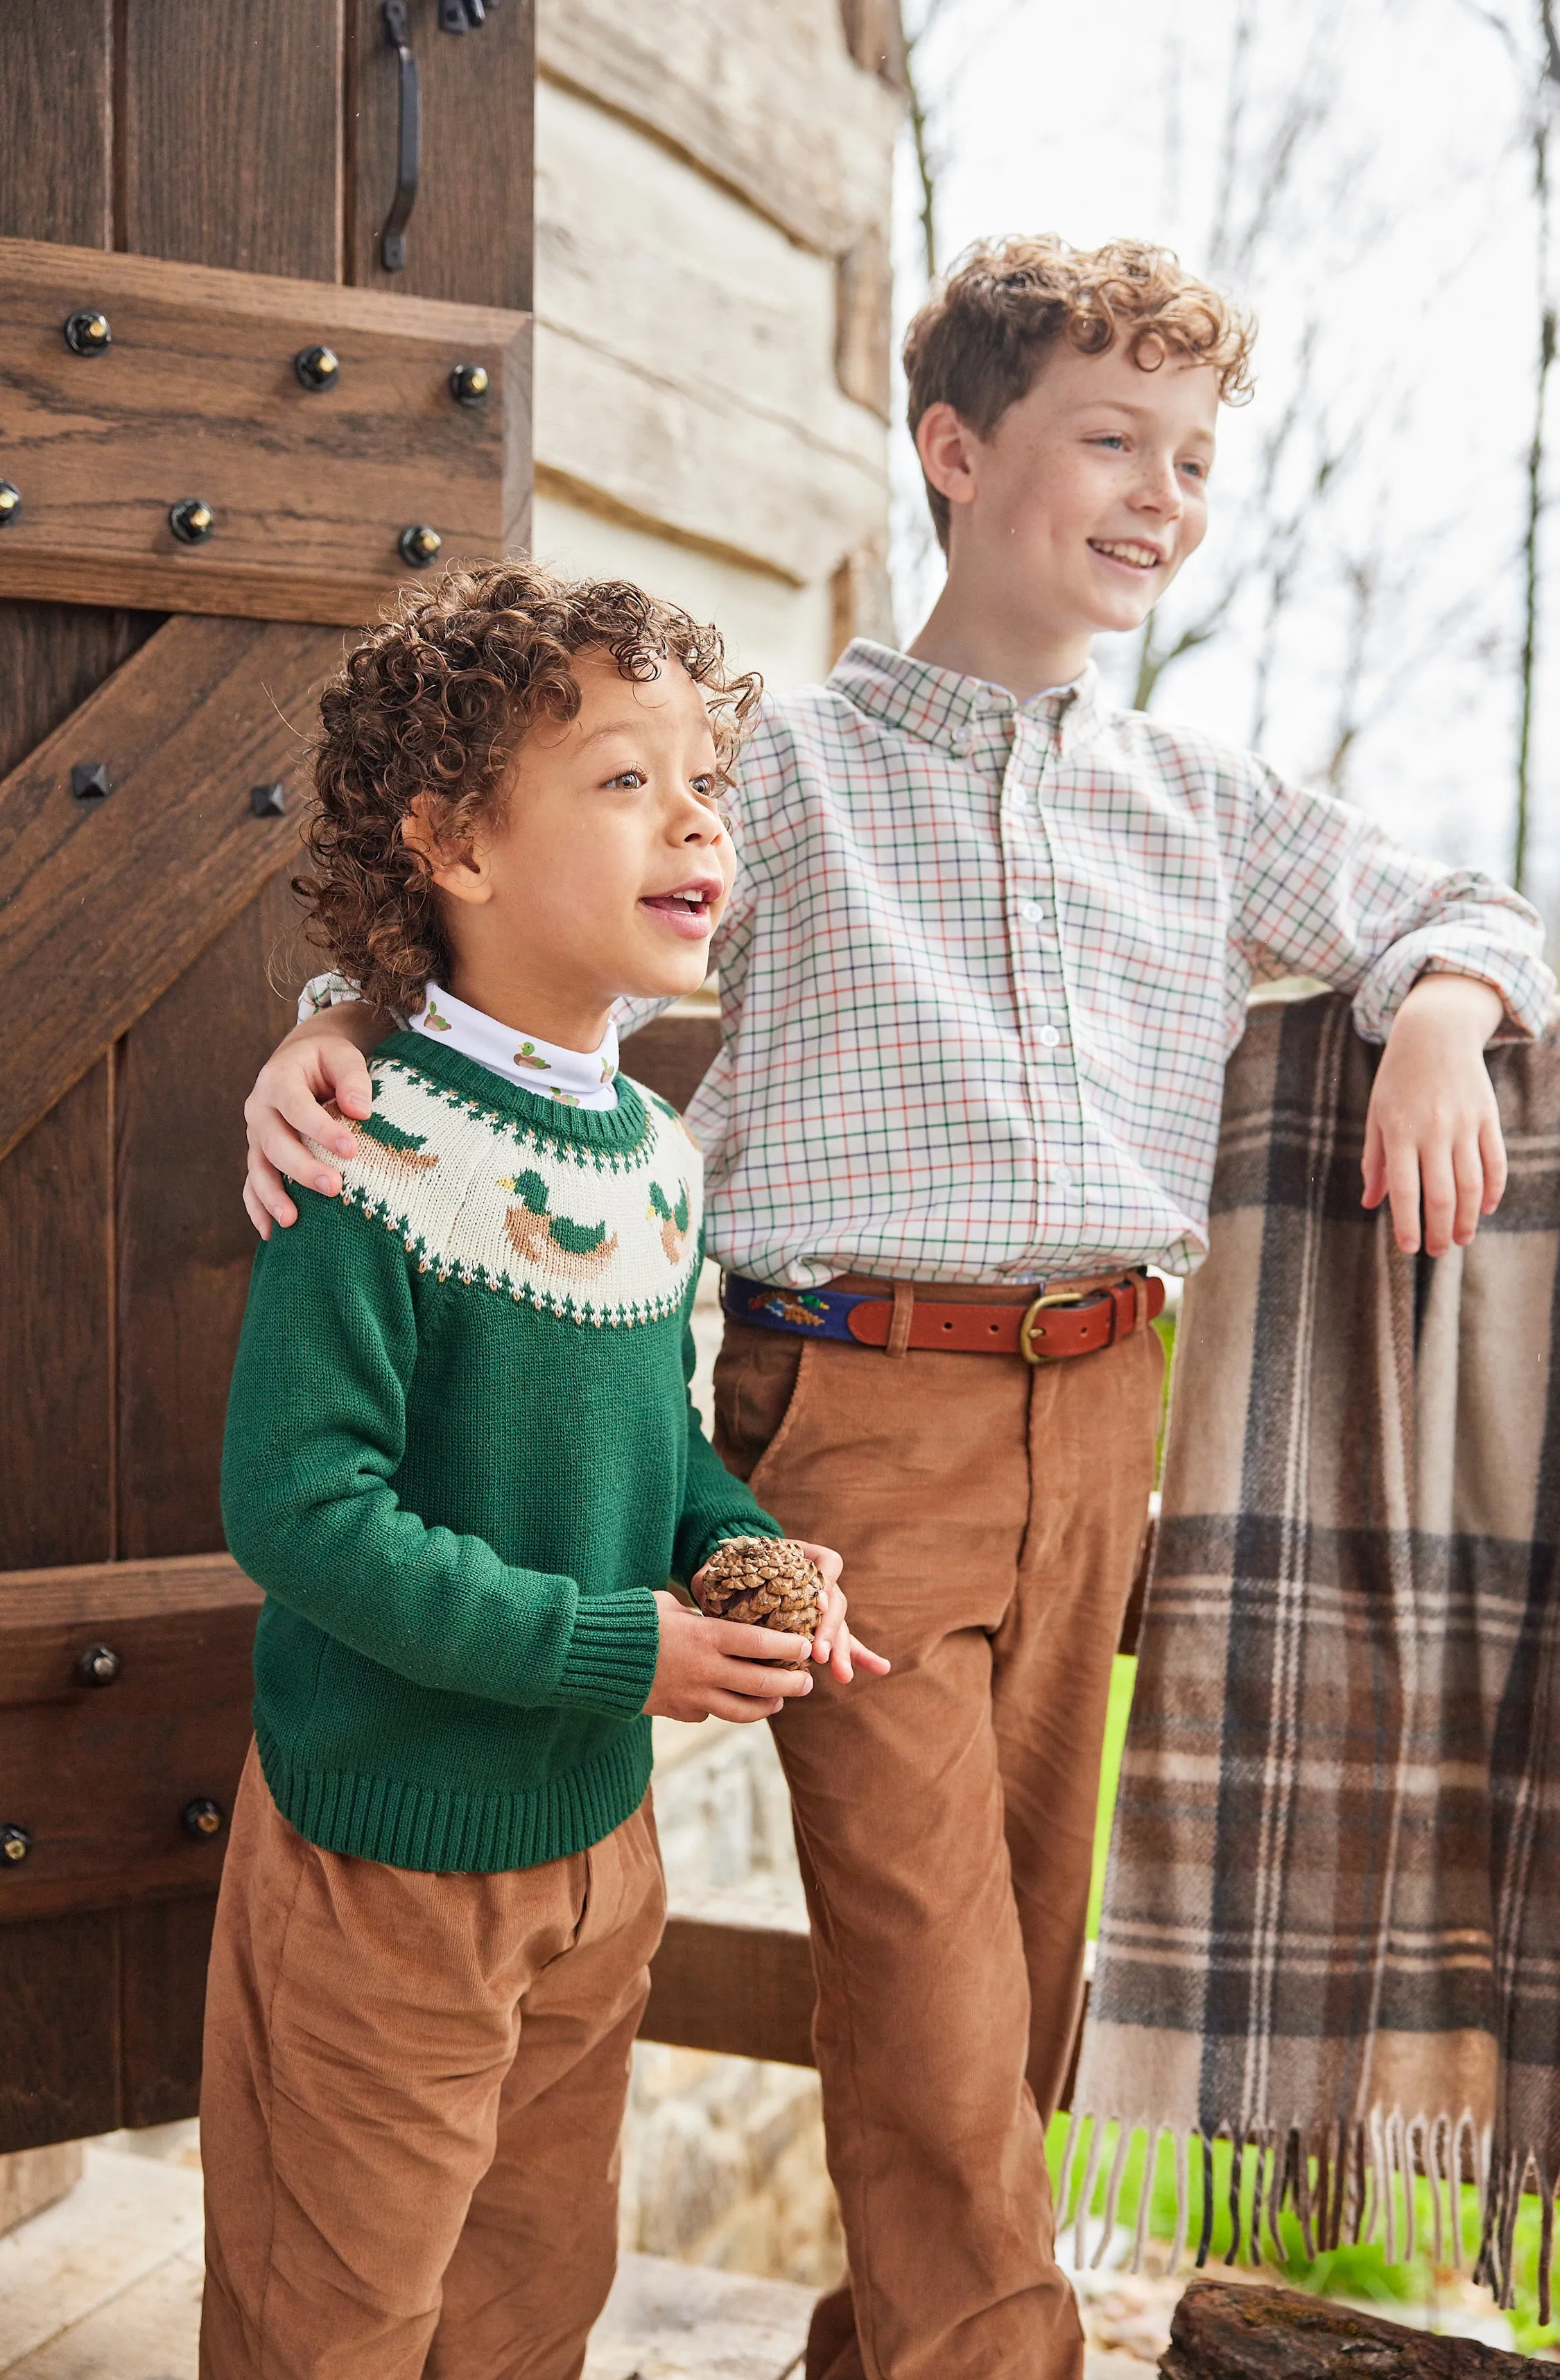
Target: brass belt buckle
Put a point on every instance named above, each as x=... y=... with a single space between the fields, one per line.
x=1029 y=1330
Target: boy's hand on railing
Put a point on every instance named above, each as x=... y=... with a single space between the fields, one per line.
x=320 y=1059
x=833 y=1641
x=723 y=1668
x=1432 y=1128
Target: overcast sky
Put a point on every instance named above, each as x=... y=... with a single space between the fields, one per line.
x=1406 y=243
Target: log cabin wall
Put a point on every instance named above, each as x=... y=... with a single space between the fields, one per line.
x=713 y=310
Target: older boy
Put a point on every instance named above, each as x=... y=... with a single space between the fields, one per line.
x=989 y=950
x=462 y=1463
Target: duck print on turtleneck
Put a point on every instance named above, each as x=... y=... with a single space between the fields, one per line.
x=576 y=1078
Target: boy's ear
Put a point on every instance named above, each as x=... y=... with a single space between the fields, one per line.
x=944 y=442
x=464 y=875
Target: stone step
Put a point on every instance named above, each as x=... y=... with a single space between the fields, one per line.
x=106 y=2286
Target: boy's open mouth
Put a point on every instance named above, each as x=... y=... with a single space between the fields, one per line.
x=688 y=909
x=1128 y=552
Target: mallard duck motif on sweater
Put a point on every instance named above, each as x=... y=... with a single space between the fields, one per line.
x=572 y=1251
x=673 y=1219
x=575 y=1216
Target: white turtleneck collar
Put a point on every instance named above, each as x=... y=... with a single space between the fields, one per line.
x=577 y=1078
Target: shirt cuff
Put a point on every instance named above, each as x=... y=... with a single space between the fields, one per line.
x=613 y=1646
x=721 y=1532
x=328 y=991
x=1520 y=977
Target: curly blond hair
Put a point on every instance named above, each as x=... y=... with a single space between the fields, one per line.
x=979 y=341
x=435 y=701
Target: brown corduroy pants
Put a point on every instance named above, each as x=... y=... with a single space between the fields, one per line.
x=414 y=2086
x=990 y=1516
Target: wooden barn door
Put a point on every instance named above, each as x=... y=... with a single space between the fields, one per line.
x=191 y=520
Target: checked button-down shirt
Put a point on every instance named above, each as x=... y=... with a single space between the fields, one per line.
x=985 y=960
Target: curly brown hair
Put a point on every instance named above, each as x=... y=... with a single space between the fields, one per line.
x=979 y=341
x=436 y=700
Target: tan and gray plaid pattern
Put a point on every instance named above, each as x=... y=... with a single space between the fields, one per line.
x=1332 y=1920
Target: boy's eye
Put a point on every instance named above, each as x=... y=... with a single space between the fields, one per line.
x=631 y=777
x=1198 y=471
x=1110 y=438
x=704 y=788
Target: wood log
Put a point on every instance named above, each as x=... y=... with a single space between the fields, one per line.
x=1224 y=2330
x=767 y=101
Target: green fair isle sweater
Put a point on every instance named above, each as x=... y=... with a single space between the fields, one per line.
x=460 y=1459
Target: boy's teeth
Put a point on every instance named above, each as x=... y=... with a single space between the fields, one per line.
x=1143 y=556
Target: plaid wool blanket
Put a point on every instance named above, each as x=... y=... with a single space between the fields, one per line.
x=1332 y=1917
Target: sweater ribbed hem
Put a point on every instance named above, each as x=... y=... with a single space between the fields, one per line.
x=449 y=1833
x=610 y=1662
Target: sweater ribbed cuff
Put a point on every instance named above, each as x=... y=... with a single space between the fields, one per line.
x=610 y=1662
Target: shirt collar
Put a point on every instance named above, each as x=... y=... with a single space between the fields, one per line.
x=577 y=1078
x=944 y=708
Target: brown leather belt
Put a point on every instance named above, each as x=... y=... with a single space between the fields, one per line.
x=1075 y=1317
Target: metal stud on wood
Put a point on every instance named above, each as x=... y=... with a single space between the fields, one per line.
x=10 y=502
x=267 y=801
x=90 y=781
x=99 y=1666
x=191 y=520
x=87 y=333
x=203 y=1818
x=469 y=384
x=317 y=368
x=15 y=1844
x=419 y=545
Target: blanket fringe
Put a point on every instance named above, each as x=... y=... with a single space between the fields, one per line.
x=1344 y=2183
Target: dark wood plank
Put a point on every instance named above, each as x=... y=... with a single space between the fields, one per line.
x=186 y=1244
x=55 y=80
x=230 y=133
x=59 y=2067
x=746 y=1990
x=51 y=657
x=471 y=236
x=51 y=1614
x=56 y=1394
x=104 y=903
x=196 y=397
x=100 y=1777
x=671 y=1055
x=164 y=1945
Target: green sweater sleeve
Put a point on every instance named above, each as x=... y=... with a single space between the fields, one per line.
x=316 y=1432
x=714 y=1505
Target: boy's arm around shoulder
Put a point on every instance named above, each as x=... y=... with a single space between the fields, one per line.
x=1318 y=889
x=316 y=1432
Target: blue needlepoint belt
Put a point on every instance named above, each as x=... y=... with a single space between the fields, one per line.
x=1075 y=1318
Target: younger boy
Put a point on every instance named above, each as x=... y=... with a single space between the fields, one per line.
x=989 y=951
x=462 y=1461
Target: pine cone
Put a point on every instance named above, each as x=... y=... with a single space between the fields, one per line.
x=767 y=1582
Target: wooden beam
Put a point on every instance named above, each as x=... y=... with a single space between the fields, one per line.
x=103 y=903
x=100 y=1775
x=196 y=397
x=745 y=1990
x=671 y=1055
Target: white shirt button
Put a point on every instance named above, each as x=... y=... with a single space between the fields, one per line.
x=1032 y=912
x=1049 y=1038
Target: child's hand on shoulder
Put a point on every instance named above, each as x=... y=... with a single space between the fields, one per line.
x=322 y=1059
x=1432 y=1131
